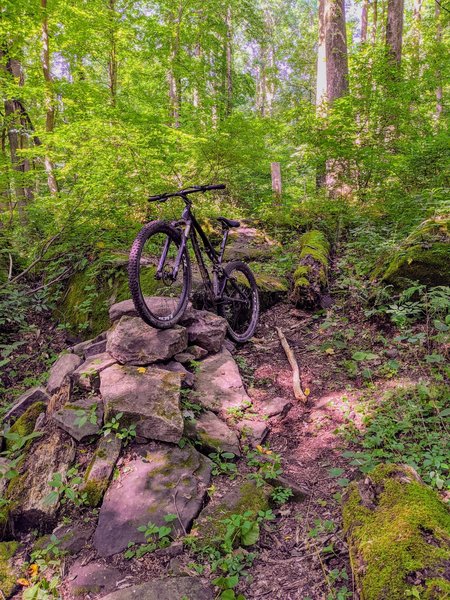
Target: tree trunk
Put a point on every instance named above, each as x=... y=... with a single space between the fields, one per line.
x=394 y=30
x=49 y=96
x=336 y=49
x=18 y=125
x=229 y=62
x=172 y=78
x=112 y=61
x=364 y=21
x=321 y=80
x=374 y=21
x=439 y=104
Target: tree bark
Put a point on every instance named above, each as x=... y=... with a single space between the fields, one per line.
x=438 y=37
x=336 y=49
x=364 y=21
x=18 y=126
x=229 y=62
x=172 y=79
x=49 y=96
x=112 y=60
x=394 y=30
x=374 y=21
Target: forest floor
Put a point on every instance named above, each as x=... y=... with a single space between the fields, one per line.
x=302 y=554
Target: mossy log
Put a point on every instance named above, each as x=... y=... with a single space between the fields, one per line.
x=398 y=532
x=423 y=256
x=311 y=275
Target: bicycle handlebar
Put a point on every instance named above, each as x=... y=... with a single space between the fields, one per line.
x=191 y=190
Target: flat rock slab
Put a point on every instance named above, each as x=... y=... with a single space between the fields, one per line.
x=127 y=308
x=219 y=383
x=167 y=588
x=100 y=469
x=147 y=397
x=161 y=482
x=86 y=376
x=84 y=349
x=66 y=418
x=253 y=433
x=205 y=329
x=61 y=371
x=93 y=578
x=53 y=453
x=213 y=434
x=276 y=406
x=73 y=538
x=133 y=342
x=30 y=397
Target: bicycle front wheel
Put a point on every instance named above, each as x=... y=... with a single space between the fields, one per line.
x=239 y=304
x=159 y=296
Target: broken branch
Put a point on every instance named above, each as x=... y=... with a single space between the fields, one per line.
x=296 y=384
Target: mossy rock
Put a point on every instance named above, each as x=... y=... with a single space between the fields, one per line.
x=423 y=256
x=398 y=532
x=91 y=292
x=7 y=574
x=25 y=424
x=210 y=529
x=311 y=275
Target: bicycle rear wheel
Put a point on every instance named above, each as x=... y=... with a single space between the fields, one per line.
x=240 y=301
x=159 y=301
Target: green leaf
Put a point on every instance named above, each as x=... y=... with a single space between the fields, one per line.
x=251 y=536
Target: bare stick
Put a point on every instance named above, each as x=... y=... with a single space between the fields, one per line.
x=298 y=392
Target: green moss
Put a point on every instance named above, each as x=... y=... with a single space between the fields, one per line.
x=390 y=543
x=25 y=423
x=90 y=293
x=7 y=575
x=210 y=528
x=423 y=256
x=95 y=490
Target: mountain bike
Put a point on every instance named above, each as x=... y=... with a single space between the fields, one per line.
x=159 y=265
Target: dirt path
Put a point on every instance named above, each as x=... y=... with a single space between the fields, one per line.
x=303 y=555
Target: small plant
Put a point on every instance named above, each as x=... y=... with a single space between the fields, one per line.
x=267 y=462
x=112 y=427
x=281 y=495
x=156 y=537
x=223 y=465
x=86 y=416
x=66 y=488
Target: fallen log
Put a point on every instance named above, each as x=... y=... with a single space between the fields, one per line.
x=311 y=274
x=398 y=533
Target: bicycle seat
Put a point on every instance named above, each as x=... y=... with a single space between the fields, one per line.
x=228 y=222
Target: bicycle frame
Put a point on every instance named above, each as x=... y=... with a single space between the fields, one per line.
x=192 y=227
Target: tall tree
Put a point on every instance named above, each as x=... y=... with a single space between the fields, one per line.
x=336 y=49
x=394 y=30
x=49 y=96
x=364 y=21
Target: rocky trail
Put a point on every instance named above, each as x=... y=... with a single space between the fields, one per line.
x=154 y=461
x=143 y=444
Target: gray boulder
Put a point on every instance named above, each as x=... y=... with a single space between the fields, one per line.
x=253 y=433
x=87 y=375
x=147 y=397
x=205 y=329
x=53 y=453
x=133 y=342
x=219 y=384
x=61 y=371
x=276 y=406
x=85 y=348
x=93 y=578
x=127 y=308
x=188 y=378
x=67 y=418
x=100 y=469
x=30 y=397
x=213 y=434
x=166 y=588
x=162 y=481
